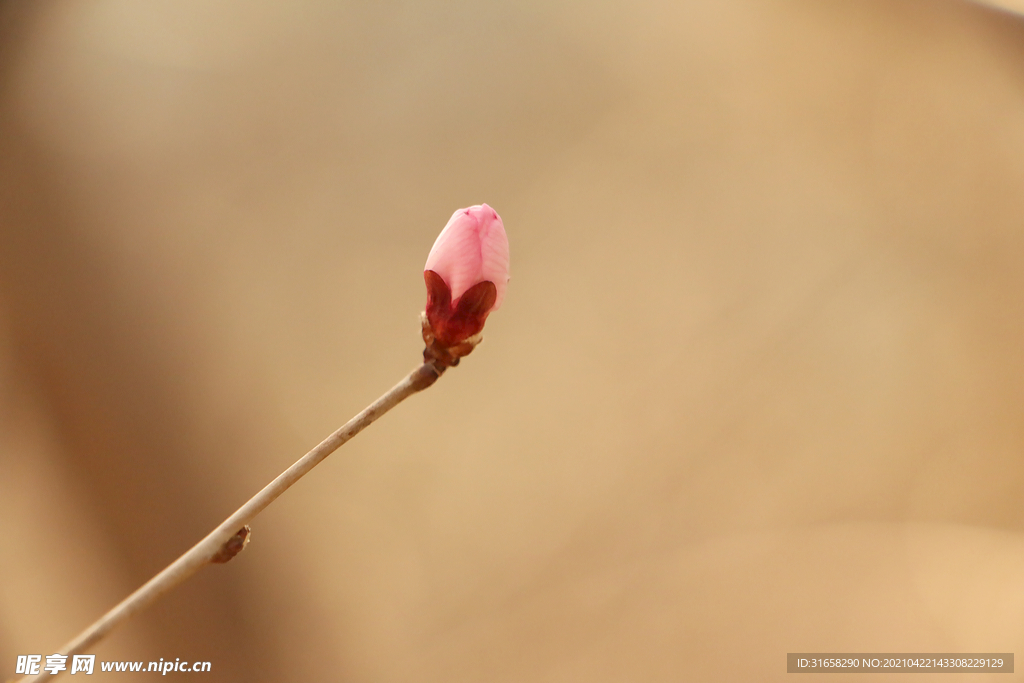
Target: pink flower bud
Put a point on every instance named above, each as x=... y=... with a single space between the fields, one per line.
x=466 y=275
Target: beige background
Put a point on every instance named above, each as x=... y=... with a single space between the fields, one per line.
x=757 y=385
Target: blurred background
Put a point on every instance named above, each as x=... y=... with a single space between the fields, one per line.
x=756 y=387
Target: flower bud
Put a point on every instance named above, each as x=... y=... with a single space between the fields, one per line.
x=466 y=275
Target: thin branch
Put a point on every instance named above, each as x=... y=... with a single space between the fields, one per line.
x=228 y=538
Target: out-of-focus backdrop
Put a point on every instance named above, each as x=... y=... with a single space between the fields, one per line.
x=756 y=388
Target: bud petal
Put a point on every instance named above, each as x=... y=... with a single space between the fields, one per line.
x=472 y=248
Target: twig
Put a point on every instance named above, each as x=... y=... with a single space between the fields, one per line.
x=229 y=538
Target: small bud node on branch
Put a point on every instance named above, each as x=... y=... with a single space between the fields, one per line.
x=233 y=546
